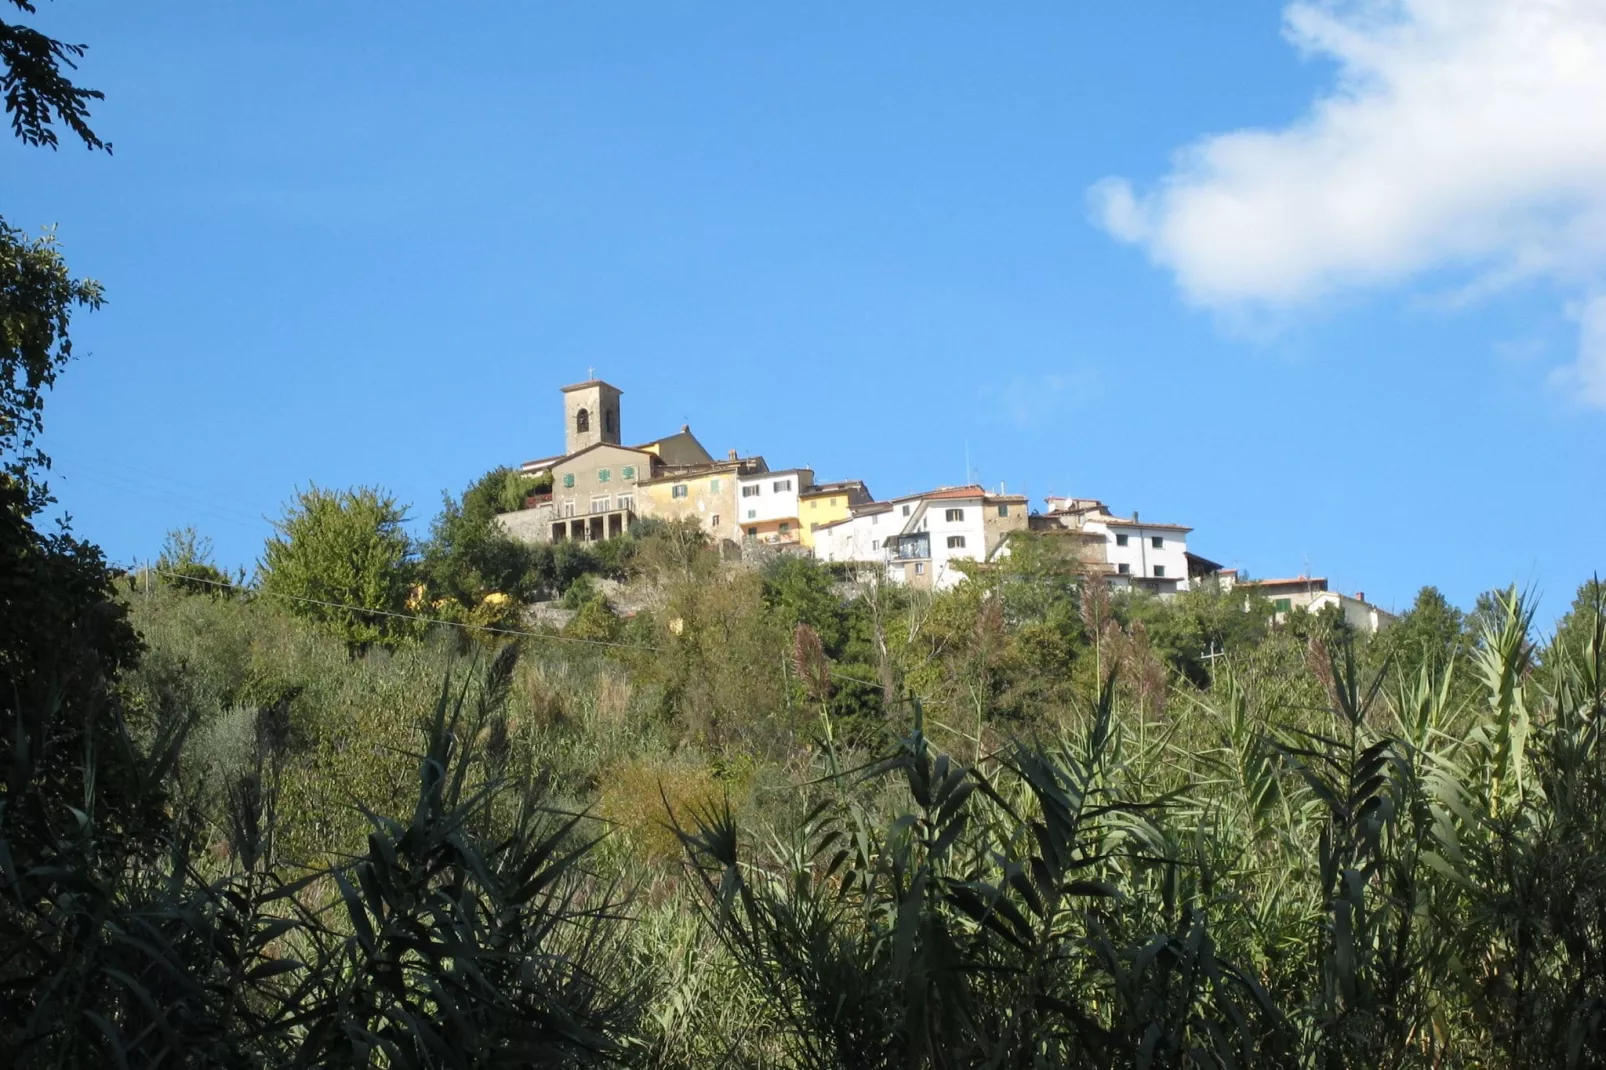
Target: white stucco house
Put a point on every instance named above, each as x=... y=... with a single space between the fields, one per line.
x=767 y=507
x=858 y=537
x=917 y=539
x=1141 y=554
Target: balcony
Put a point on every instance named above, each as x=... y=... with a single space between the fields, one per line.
x=593 y=527
x=534 y=501
x=915 y=547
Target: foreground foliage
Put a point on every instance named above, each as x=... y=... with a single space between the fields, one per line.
x=1404 y=872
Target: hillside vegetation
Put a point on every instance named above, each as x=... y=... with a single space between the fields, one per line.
x=783 y=816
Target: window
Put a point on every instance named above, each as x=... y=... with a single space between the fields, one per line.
x=607 y=420
x=628 y=472
x=568 y=479
x=1120 y=540
x=875 y=544
x=582 y=421
x=833 y=502
x=752 y=514
x=752 y=492
x=1159 y=571
x=1282 y=605
x=1157 y=542
x=954 y=516
x=713 y=486
x=604 y=474
x=906 y=510
x=956 y=542
x=1003 y=510
x=753 y=532
x=785 y=527
x=920 y=568
x=782 y=484
x=679 y=490
x=1123 y=568
x=815 y=504
x=599 y=505
x=568 y=507
x=626 y=501
x=713 y=521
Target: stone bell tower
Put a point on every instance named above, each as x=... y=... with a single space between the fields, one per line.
x=590 y=415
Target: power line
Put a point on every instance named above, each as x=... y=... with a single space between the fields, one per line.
x=85 y=460
x=72 y=473
x=403 y=616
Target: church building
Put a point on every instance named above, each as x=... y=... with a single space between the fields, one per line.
x=594 y=480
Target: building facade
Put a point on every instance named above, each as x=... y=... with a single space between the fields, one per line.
x=703 y=492
x=597 y=481
x=920 y=539
x=827 y=503
x=1136 y=553
x=768 y=505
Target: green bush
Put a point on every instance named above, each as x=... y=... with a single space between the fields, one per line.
x=342 y=559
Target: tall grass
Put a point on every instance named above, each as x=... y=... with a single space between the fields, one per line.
x=1388 y=881
x=468 y=932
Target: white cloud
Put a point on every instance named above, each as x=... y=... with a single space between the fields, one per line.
x=1467 y=135
x=1587 y=379
x=1028 y=400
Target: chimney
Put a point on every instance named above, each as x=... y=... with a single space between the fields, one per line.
x=733 y=455
x=685 y=429
x=1360 y=596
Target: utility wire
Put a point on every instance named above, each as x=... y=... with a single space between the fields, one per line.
x=72 y=471
x=404 y=616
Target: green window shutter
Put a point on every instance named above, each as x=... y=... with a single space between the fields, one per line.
x=1283 y=605
x=713 y=486
x=603 y=475
x=629 y=471
x=568 y=480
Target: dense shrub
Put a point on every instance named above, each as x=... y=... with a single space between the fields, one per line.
x=343 y=559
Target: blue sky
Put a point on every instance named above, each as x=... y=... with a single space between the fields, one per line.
x=362 y=243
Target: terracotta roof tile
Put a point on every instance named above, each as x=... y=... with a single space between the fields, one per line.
x=1319 y=582
x=945 y=493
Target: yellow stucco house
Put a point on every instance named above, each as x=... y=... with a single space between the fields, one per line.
x=826 y=503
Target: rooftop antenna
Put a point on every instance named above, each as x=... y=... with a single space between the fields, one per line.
x=967 y=461
x=591 y=373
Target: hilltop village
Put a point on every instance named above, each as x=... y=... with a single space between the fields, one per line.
x=597 y=486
